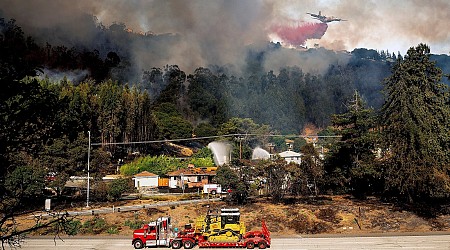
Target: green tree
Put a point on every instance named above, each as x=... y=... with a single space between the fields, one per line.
x=351 y=163
x=228 y=178
x=21 y=191
x=202 y=162
x=110 y=111
x=276 y=174
x=170 y=123
x=204 y=152
x=416 y=128
x=117 y=187
x=159 y=165
x=207 y=97
x=27 y=117
x=204 y=130
x=65 y=158
x=298 y=144
x=312 y=167
x=174 y=80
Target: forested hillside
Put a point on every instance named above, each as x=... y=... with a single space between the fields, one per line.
x=285 y=98
x=389 y=111
x=48 y=117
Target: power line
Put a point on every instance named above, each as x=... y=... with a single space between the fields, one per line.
x=208 y=137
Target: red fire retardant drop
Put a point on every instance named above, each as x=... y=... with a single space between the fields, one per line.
x=297 y=35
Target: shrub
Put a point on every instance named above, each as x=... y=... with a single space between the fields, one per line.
x=159 y=198
x=134 y=224
x=303 y=224
x=300 y=223
x=329 y=215
x=73 y=227
x=96 y=225
x=112 y=230
x=117 y=187
x=152 y=211
x=100 y=191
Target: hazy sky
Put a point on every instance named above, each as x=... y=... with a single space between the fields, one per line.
x=219 y=31
x=379 y=24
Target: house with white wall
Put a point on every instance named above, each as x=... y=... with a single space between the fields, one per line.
x=291 y=156
x=145 y=179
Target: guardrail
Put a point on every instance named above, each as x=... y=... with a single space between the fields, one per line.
x=119 y=209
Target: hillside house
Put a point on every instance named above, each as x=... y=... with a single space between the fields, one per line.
x=291 y=156
x=191 y=177
x=145 y=179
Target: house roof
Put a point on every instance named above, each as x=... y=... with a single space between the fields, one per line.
x=145 y=174
x=191 y=171
x=288 y=153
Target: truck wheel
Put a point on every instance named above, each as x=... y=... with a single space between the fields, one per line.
x=213 y=192
x=188 y=244
x=262 y=245
x=250 y=245
x=138 y=244
x=176 y=244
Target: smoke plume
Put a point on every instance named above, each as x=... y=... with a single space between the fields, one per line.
x=198 y=33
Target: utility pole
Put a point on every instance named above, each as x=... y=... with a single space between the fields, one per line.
x=240 y=148
x=240 y=138
x=89 y=155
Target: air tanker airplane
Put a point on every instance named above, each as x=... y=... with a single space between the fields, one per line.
x=324 y=19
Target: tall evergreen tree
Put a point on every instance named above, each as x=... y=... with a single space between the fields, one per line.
x=416 y=128
x=350 y=165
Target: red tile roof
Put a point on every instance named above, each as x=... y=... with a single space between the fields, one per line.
x=191 y=171
x=145 y=174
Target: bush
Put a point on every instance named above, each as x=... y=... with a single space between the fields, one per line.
x=329 y=215
x=73 y=227
x=100 y=191
x=301 y=223
x=152 y=211
x=96 y=225
x=117 y=187
x=157 y=198
x=134 y=224
x=112 y=230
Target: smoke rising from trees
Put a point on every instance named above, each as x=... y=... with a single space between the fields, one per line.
x=202 y=33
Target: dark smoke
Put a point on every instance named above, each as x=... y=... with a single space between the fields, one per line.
x=189 y=34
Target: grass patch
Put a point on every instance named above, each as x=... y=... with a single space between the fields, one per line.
x=134 y=224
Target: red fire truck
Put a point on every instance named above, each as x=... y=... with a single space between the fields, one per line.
x=155 y=233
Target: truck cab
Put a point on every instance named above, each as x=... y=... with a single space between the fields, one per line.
x=153 y=234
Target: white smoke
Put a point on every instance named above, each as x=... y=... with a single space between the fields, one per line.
x=74 y=76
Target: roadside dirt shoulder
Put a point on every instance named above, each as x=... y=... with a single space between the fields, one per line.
x=334 y=216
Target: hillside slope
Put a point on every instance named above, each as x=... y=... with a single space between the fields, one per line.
x=324 y=215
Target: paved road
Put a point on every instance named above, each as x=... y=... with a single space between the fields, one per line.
x=438 y=242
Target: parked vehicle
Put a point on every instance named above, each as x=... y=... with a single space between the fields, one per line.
x=213 y=189
x=154 y=234
x=222 y=229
